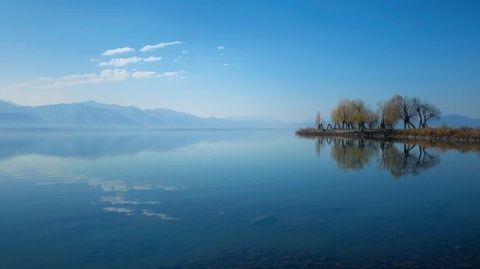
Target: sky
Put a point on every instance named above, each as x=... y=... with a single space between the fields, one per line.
x=280 y=59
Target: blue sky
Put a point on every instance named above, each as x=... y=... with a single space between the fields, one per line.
x=255 y=58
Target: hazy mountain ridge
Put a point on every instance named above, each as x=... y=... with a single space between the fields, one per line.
x=454 y=120
x=98 y=115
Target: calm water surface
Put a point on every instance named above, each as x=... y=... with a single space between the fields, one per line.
x=234 y=199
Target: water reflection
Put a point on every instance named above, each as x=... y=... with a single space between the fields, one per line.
x=399 y=159
x=157 y=201
x=94 y=144
x=353 y=154
x=412 y=160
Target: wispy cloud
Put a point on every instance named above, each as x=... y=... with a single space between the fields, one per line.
x=220 y=48
x=152 y=59
x=169 y=75
x=104 y=76
x=82 y=79
x=119 y=62
x=144 y=74
x=111 y=52
x=159 y=46
x=115 y=70
x=151 y=74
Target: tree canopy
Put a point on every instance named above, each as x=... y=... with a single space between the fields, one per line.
x=355 y=114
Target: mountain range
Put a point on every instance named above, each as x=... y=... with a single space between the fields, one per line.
x=97 y=115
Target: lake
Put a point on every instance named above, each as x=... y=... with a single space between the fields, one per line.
x=234 y=199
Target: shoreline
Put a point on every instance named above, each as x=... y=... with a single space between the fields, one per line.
x=443 y=134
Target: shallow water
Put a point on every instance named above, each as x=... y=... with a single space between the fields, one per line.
x=243 y=199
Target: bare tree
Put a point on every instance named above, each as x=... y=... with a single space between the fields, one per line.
x=425 y=112
x=417 y=105
x=381 y=112
x=319 y=121
x=428 y=112
x=408 y=112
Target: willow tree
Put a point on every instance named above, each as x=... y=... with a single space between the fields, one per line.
x=336 y=119
x=349 y=114
x=390 y=112
x=358 y=113
x=372 y=118
x=340 y=114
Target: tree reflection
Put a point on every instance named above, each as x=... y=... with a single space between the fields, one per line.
x=353 y=154
x=398 y=159
x=412 y=160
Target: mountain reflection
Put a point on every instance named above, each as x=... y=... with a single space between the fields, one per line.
x=398 y=159
x=100 y=143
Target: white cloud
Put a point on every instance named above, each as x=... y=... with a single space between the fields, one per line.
x=82 y=79
x=111 y=52
x=159 y=46
x=150 y=74
x=169 y=75
x=106 y=75
x=143 y=74
x=220 y=47
x=184 y=51
x=121 y=61
x=152 y=59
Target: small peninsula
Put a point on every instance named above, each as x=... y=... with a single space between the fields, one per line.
x=354 y=119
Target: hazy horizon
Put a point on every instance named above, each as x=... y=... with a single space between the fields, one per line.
x=241 y=59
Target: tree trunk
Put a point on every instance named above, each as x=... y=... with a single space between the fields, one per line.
x=421 y=121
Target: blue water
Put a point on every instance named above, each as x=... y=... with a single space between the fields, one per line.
x=233 y=199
